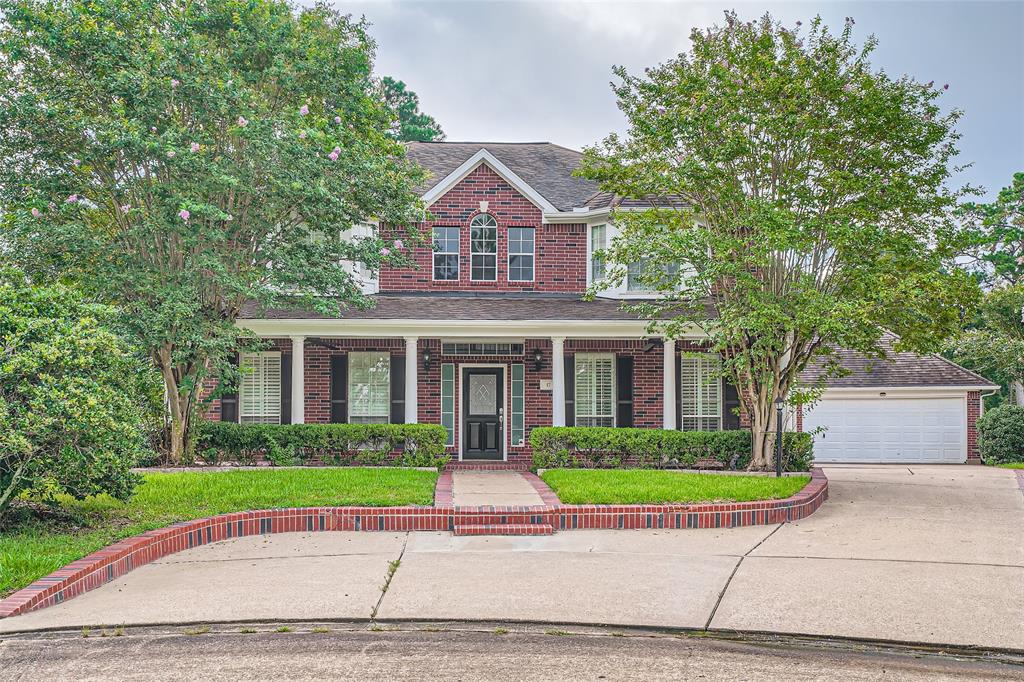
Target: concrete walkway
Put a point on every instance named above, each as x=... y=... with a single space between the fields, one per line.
x=921 y=554
x=497 y=488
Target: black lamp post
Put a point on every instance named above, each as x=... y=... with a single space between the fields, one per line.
x=779 y=402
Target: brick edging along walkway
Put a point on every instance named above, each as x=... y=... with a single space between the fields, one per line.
x=121 y=557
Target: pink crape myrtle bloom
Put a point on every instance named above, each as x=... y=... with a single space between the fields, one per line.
x=175 y=82
x=399 y=244
x=171 y=154
x=385 y=252
x=194 y=147
x=72 y=199
x=337 y=119
x=242 y=122
x=333 y=156
x=36 y=213
x=76 y=162
x=304 y=110
x=184 y=215
x=302 y=135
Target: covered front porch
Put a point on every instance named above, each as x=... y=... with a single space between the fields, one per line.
x=487 y=382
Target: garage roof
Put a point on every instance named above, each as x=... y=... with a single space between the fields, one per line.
x=898 y=369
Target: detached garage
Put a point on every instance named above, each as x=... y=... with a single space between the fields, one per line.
x=908 y=409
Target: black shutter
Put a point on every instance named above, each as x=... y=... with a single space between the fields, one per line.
x=397 y=389
x=570 y=390
x=730 y=403
x=229 y=401
x=339 y=389
x=679 y=392
x=286 y=388
x=624 y=389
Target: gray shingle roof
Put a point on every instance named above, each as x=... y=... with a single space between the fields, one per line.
x=545 y=167
x=899 y=369
x=462 y=307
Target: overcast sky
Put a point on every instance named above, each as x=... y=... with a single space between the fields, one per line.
x=540 y=71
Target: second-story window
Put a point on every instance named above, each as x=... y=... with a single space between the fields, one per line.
x=446 y=253
x=520 y=254
x=598 y=243
x=483 y=249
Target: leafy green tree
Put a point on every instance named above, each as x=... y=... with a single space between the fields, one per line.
x=996 y=230
x=411 y=124
x=180 y=159
x=808 y=204
x=73 y=411
x=993 y=345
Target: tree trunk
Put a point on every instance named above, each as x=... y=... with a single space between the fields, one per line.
x=763 y=428
x=1017 y=392
x=180 y=405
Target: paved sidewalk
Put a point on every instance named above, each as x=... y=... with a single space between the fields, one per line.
x=926 y=554
x=497 y=488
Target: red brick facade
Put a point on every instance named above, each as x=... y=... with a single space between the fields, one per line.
x=973 y=412
x=560 y=262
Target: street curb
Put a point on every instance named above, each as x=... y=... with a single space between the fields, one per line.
x=115 y=560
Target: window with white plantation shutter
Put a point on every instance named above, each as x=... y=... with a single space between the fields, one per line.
x=595 y=389
x=369 y=388
x=700 y=392
x=259 y=393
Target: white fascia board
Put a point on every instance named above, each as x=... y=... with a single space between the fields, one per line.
x=470 y=164
x=867 y=392
x=590 y=215
x=464 y=329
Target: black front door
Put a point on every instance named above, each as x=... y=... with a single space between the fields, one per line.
x=483 y=414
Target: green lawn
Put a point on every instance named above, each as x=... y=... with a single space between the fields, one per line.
x=1012 y=465
x=640 y=486
x=33 y=545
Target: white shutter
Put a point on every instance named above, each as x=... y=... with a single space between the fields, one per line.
x=700 y=392
x=595 y=389
x=260 y=390
x=369 y=387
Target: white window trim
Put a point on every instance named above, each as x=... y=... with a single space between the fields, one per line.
x=694 y=412
x=265 y=416
x=532 y=254
x=352 y=402
x=615 y=390
x=457 y=254
x=591 y=252
x=472 y=255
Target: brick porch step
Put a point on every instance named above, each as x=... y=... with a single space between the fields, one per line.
x=505 y=529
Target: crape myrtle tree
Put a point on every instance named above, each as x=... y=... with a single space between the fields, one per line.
x=993 y=344
x=181 y=158
x=807 y=204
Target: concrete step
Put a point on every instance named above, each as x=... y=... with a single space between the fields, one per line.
x=505 y=529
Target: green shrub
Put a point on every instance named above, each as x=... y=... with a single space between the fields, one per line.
x=1001 y=435
x=556 y=447
x=335 y=444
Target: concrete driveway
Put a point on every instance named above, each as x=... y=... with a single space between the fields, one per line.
x=921 y=554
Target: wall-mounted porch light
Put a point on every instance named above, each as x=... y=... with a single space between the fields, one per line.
x=538 y=359
x=427 y=357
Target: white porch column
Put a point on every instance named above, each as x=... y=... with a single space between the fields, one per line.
x=298 y=380
x=557 y=381
x=668 y=385
x=411 y=380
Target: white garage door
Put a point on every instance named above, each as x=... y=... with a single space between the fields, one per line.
x=889 y=430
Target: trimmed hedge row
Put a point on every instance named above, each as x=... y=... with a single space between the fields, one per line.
x=581 y=447
x=419 y=445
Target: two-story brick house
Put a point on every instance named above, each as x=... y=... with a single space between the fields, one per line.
x=489 y=335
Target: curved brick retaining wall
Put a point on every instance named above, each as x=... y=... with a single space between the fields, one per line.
x=121 y=557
